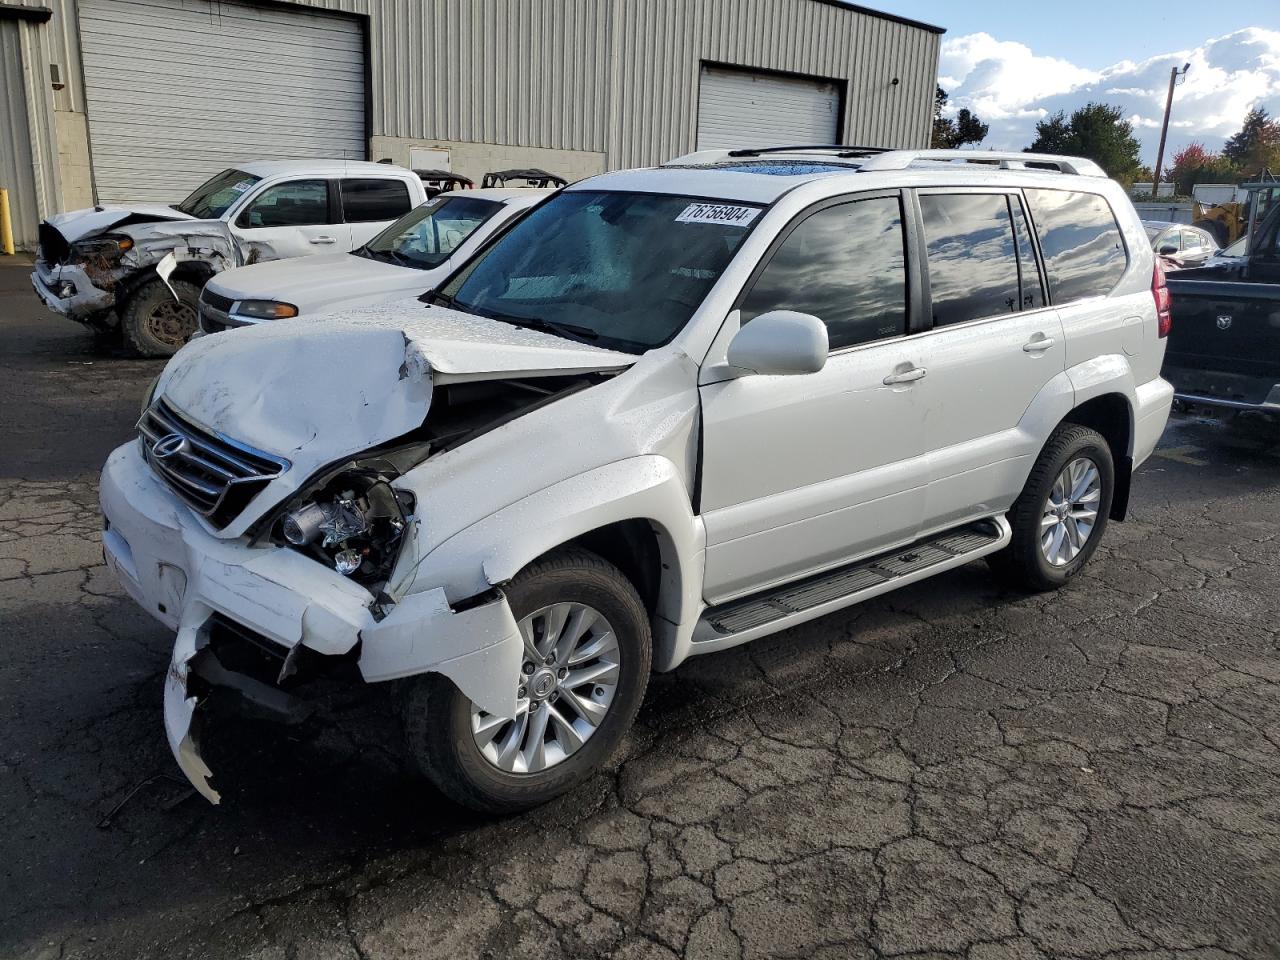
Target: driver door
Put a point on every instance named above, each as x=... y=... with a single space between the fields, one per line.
x=292 y=219
x=803 y=473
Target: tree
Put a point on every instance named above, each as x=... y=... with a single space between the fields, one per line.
x=1257 y=145
x=1194 y=164
x=1097 y=131
x=950 y=134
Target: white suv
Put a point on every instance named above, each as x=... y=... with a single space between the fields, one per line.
x=670 y=411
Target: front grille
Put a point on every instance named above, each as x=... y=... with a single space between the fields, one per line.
x=214 y=475
x=53 y=245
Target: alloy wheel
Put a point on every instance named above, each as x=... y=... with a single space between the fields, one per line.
x=566 y=685
x=1070 y=511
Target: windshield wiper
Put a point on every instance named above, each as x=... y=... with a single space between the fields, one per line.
x=557 y=327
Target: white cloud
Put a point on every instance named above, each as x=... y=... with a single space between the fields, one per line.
x=1010 y=87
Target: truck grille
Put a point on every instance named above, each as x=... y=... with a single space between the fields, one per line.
x=214 y=475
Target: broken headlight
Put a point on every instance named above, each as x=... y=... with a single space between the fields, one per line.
x=109 y=247
x=354 y=523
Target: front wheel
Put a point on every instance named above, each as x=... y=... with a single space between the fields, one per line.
x=1062 y=511
x=586 y=664
x=154 y=323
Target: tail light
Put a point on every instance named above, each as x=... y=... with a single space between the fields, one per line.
x=1160 y=292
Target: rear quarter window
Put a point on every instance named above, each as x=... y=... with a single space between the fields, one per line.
x=1084 y=254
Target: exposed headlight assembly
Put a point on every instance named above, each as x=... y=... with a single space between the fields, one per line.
x=109 y=247
x=353 y=523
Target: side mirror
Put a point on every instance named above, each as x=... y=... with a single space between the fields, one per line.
x=780 y=342
x=1167 y=249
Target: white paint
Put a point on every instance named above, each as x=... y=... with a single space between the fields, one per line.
x=798 y=473
x=330 y=282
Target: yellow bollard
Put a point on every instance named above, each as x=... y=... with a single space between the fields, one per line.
x=6 y=224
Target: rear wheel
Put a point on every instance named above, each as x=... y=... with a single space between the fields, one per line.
x=155 y=323
x=583 y=675
x=1062 y=511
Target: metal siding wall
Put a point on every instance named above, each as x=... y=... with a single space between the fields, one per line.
x=17 y=171
x=622 y=75
x=659 y=45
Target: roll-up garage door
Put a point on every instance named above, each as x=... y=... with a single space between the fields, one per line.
x=178 y=90
x=737 y=108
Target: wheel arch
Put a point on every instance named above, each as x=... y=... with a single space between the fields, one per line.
x=643 y=524
x=1111 y=415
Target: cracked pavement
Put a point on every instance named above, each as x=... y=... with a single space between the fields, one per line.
x=951 y=771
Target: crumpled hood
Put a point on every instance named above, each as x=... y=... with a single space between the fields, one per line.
x=78 y=224
x=321 y=282
x=314 y=391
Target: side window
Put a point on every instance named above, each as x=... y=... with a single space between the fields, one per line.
x=845 y=265
x=365 y=201
x=973 y=262
x=1190 y=240
x=302 y=203
x=1084 y=254
x=1028 y=269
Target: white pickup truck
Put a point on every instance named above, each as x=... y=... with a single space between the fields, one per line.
x=99 y=266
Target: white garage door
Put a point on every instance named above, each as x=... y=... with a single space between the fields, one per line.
x=741 y=109
x=180 y=89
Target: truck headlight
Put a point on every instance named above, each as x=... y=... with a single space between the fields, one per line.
x=265 y=310
x=109 y=247
x=353 y=523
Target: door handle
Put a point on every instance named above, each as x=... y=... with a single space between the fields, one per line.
x=906 y=376
x=1038 y=346
x=323 y=240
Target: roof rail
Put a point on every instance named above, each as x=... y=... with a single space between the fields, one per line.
x=836 y=150
x=1004 y=160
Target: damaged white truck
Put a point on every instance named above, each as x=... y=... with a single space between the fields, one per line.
x=135 y=272
x=668 y=412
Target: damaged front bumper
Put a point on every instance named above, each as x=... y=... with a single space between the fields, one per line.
x=190 y=581
x=67 y=289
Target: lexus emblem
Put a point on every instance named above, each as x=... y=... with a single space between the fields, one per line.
x=1224 y=322
x=169 y=446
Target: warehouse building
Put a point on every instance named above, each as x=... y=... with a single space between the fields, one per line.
x=108 y=101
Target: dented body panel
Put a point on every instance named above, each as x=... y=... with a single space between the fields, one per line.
x=91 y=288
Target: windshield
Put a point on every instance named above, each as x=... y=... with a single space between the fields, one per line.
x=623 y=270
x=1238 y=249
x=426 y=236
x=214 y=197
x=1153 y=232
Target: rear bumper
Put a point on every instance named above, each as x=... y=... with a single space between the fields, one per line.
x=1151 y=414
x=67 y=290
x=1220 y=388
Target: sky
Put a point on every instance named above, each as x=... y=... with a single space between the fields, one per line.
x=1014 y=64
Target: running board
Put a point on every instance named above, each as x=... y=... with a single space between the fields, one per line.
x=738 y=621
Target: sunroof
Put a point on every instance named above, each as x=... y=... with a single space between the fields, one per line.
x=784 y=168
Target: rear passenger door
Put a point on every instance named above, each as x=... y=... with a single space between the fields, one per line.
x=294 y=218
x=994 y=345
x=370 y=204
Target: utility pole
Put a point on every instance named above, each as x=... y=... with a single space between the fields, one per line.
x=1174 y=76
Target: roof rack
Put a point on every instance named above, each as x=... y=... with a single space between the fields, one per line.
x=1004 y=160
x=840 y=151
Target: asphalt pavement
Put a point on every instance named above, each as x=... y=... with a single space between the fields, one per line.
x=950 y=771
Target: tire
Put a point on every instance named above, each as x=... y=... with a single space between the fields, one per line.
x=438 y=718
x=1026 y=562
x=153 y=324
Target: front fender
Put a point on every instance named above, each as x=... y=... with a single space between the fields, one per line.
x=492 y=551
